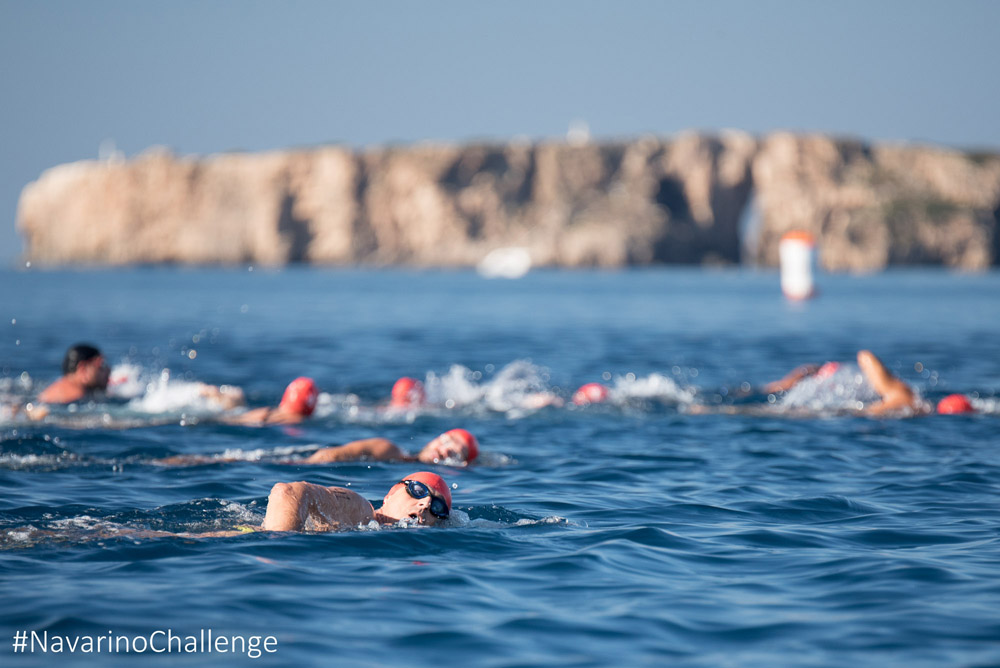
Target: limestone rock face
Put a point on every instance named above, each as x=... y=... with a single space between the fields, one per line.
x=645 y=201
x=874 y=206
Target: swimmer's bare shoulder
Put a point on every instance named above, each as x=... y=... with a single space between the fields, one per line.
x=293 y=505
x=63 y=391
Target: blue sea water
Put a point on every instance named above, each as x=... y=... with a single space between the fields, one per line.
x=635 y=532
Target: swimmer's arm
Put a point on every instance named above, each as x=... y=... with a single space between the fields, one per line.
x=227 y=396
x=291 y=505
x=267 y=415
x=257 y=416
x=895 y=394
x=791 y=379
x=379 y=449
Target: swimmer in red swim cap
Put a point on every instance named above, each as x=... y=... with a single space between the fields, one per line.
x=407 y=393
x=895 y=395
x=455 y=445
x=955 y=404
x=421 y=497
x=590 y=393
x=298 y=403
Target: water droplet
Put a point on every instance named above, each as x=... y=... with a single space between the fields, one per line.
x=244 y=308
x=192 y=354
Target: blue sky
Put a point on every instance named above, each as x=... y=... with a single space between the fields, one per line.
x=205 y=77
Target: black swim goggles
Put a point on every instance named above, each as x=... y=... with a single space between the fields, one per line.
x=418 y=490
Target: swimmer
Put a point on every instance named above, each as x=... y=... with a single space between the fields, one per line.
x=590 y=393
x=456 y=444
x=419 y=498
x=791 y=379
x=407 y=393
x=453 y=445
x=298 y=403
x=422 y=497
x=85 y=373
x=895 y=396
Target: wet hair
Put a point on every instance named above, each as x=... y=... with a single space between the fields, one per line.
x=81 y=352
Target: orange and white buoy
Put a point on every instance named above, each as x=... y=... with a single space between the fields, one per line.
x=797 y=254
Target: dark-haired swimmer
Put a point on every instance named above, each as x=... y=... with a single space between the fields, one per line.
x=453 y=445
x=84 y=373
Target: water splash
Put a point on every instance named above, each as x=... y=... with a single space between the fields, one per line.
x=846 y=389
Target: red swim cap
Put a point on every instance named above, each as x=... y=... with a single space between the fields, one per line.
x=471 y=444
x=955 y=404
x=435 y=482
x=300 y=396
x=591 y=393
x=407 y=392
x=827 y=369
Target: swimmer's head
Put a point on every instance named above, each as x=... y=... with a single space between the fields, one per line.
x=81 y=352
x=407 y=392
x=88 y=363
x=300 y=396
x=827 y=369
x=453 y=444
x=591 y=393
x=421 y=496
x=955 y=404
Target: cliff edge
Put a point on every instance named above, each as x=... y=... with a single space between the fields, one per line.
x=693 y=198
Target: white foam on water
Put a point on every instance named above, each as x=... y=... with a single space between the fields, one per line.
x=986 y=406
x=519 y=386
x=15 y=462
x=259 y=454
x=844 y=389
x=22 y=534
x=654 y=386
x=167 y=395
x=126 y=381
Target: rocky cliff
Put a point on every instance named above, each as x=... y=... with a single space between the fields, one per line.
x=679 y=200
